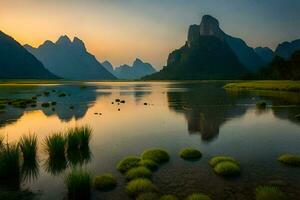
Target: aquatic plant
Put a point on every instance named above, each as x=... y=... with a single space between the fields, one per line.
x=45 y=105
x=198 y=196
x=227 y=168
x=190 y=154
x=269 y=193
x=217 y=159
x=53 y=103
x=55 y=145
x=290 y=159
x=30 y=170
x=78 y=183
x=85 y=134
x=168 y=197
x=138 y=172
x=73 y=139
x=128 y=163
x=150 y=164
x=79 y=156
x=148 y=196
x=157 y=155
x=140 y=186
x=105 y=182
x=55 y=166
x=28 y=147
x=10 y=163
x=62 y=95
x=261 y=104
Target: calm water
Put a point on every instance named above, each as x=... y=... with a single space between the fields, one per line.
x=177 y=115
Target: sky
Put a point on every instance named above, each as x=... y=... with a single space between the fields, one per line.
x=122 y=30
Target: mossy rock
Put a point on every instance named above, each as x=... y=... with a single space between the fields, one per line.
x=227 y=168
x=217 y=159
x=261 y=105
x=168 y=197
x=105 y=182
x=138 y=172
x=198 y=196
x=139 y=186
x=290 y=159
x=157 y=155
x=148 y=196
x=269 y=193
x=128 y=163
x=190 y=154
x=150 y=164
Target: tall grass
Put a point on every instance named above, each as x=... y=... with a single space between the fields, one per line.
x=79 y=137
x=28 y=147
x=78 y=183
x=55 y=145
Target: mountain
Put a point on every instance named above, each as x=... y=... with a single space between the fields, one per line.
x=205 y=55
x=136 y=71
x=70 y=60
x=108 y=66
x=17 y=63
x=286 y=49
x=266 y=54
x=281 y=69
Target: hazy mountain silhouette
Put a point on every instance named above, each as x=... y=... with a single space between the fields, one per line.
x=70 y=60
x=108 y=66
x=206 y=55
x=17 y=63
x=265 y=53
x=286 y=49
x=136 y=71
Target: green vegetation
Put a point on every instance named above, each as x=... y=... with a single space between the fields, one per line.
x=78 y=183
x=148 y=196
x=150 y=164
x=157 y=155
x=261 y=105
x=28 y=147
x=190 y=154
x=290 y=159
x=105 y=182
x=45 y=105
x=269 y=193
x=53 y=103
x=292 y=86
x=138 y=172
x=62 y=95
x=46 y=93
x=55 y=145
x=140 y=186
x=217 y=159
x=168 y=197
x=79 y=137
x=128 y=163
x=227 y=168
x=198 y=196
x=10 y=163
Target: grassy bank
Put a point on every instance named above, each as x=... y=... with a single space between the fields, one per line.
x=291 y=86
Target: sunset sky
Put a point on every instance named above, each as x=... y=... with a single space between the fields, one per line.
x=121 y=30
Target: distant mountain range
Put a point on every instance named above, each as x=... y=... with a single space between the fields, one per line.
x=70 y=60
x=136 y=71
x=286 y=49
x=17 y=63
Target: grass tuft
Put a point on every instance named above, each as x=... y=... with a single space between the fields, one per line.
x=140 y=186
x=198 y=196
x=28 y=147
x=128 y=163
x=217 y=159
x=157 y=155
x=138 y=172
x=227 y=168
x=269 y=193
x=78 y=183
x=290 y=159
x=168 y=197
x=105 y=182
x=10 y=163
x=190 y=154
x=55 y=145
x=150 y=164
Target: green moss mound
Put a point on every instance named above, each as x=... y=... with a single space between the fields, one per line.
x=150 y=164
x=105 y=182
x=157 y=155
x=148 y=196
x=138 y=172
x=168 y=197
x=217 y=159
x=140 y=186
x=190 y=154
x=198 y=196
x=227 y=168
x=290 y=159
x=128 y=163
x=269 y=193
